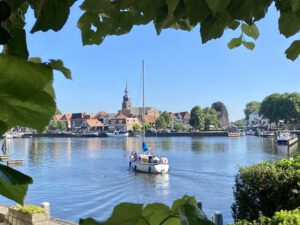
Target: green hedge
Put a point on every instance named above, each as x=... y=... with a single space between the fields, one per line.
x=29 y=209
x=280 y=218
x=266 y=188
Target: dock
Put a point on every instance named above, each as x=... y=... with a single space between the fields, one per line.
x=14 y=162
x=4 y=158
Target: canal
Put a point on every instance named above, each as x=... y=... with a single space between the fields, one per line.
x=87 y=177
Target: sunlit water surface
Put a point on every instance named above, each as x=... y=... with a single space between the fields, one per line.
x=87 y=177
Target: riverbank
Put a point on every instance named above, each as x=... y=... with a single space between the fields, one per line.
x=149 y=134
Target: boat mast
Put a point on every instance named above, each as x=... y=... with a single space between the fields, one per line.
x=143 y=117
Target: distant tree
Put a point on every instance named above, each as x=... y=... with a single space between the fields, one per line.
x=270 y=107
x=197 y=118
x=293 y=107
x=221 y=112
x=180 y=127
x=281 y=107
x=166 y=116
x=61 y=125
x=57 y=111
x=210 y=118
x=240 y=123
x=136 y=127
x=147 y=126
x=163 y=120
x=251 y=107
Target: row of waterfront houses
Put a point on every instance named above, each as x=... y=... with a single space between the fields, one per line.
x=103 y=121
x=123 y=120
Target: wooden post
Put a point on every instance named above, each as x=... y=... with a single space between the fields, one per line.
x=46 y=206
x=218 y=218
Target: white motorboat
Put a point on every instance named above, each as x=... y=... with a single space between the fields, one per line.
x=287 y=138
x=147 y=162
x=267 y=134
x=117 y=134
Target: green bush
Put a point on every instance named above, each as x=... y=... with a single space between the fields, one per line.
x=286 y=217
x=266 y=188
x=280 y=218
x=29 y=209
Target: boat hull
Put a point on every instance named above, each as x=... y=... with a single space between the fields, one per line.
x=287 y=139
x=117 y=134
x=149 y=167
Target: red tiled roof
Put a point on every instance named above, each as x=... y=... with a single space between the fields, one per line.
x=185 y=115
x=94 y=123
x=101 y=114
x=66 y=116
x=86 y=116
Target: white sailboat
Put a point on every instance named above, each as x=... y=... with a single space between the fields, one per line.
x=147 y=161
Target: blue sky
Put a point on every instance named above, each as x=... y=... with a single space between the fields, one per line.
x=180 y=71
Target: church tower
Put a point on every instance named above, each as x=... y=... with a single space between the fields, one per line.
x=126 y=104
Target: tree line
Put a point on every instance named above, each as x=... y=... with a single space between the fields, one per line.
x=277 y=107
x=200 y=119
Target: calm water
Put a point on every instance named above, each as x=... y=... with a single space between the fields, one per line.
x=86 y=177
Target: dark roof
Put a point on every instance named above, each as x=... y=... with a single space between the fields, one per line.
x=76 y=116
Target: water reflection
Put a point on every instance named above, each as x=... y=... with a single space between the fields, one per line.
x=159 y=182
x=290 y=151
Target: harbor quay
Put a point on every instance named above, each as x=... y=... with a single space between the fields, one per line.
x=11 y=216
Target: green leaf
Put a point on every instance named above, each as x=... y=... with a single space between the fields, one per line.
x=249 y=10
x=196 y=10
x=13 y=184
x=289 y=23
x=89 y=36
x=172 y=221
x=59 y=65
x=123 y=214
x=235 y=42
x=249 y=45
x=17 y=45
x=213 y=27
x=96 y=6
x=295 y=5
x=184 y=200
x=50 y=14
x=89 y=221
x=217 y=5
x=251 y=31
x=190 y=214
x=156 y=213
x=35 y=60
x=166 y=17
x=172 y=5
x=293 y=51
x=26 y=94
x=235 y=24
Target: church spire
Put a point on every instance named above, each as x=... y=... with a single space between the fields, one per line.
x=126 y=90
x=126 y=104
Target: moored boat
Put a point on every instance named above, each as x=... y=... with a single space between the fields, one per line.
x=267 y=134
x=117 y=134
x=234 y=134
x=286 y=138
